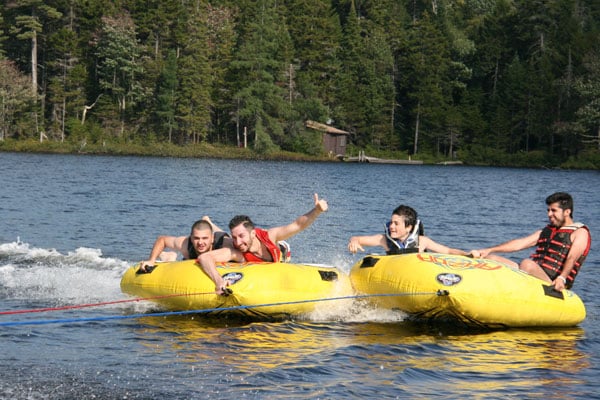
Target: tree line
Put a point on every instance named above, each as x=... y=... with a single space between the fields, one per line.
x=478 y=77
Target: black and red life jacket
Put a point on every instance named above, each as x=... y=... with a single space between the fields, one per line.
x=553 y=246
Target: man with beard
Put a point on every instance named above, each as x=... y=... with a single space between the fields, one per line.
x=562 y=245
x=253 y=244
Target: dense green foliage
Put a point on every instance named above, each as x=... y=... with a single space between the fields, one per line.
x=510 y=82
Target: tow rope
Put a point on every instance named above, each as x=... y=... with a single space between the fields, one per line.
x=167 y=313
x=104 y=303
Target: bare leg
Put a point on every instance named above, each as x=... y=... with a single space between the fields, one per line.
x=532 y=268
x=503 y=260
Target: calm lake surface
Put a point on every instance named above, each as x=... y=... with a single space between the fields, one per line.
x=71 y=225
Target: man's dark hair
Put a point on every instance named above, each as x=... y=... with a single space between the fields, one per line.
x=241 y=219
x=409 y=214
x=201 y=224
x=564 y=200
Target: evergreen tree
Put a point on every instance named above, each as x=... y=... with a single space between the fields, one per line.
x=378 y=88
x=514 y=108
x=311 y=76
x=349 y=90
x=391 y=17
x=368 y=100
x=119 y=69
x=3 y=37
x=29 y=23
x=66 y=69
x=494 y=39
x=427 y=84
x=588 y=87
x=16 y=99
x=315 y=31
x=194 y=102
x=259 y=70
x=222 y=38
x=548 y=38
x=157 y=31
x=156 y=21
x=30 y=18
x=59 y=86
x=166 y=95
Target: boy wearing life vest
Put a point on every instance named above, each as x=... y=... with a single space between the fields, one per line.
x=561 y=246
x=403 y=234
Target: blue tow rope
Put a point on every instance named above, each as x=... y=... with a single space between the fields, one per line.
x=201 y=311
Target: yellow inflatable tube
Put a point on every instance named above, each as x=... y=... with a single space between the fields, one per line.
x=474 y=291
x=259 y=290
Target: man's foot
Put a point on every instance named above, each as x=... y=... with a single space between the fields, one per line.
x=286 y=253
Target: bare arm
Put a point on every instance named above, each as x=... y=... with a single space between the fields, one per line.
x=580 y=239
x=356 y=243
x=510 y=246
x=301 y=223
x=425 y=243
x=161 y=243
x=208 y=261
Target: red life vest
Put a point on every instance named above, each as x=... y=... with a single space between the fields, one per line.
x=263 y=236
x=553 y=245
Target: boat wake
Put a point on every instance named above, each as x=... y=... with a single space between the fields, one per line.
x=354 y=310
x=32 y=277
x=50 y=277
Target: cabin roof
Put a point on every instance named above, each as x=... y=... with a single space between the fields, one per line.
x=325 y=128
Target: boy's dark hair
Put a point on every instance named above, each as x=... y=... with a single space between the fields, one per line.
x=409 y=214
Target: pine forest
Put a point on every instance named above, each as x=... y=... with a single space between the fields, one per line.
x=487 y=81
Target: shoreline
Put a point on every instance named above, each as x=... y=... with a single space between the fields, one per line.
x=218 y=151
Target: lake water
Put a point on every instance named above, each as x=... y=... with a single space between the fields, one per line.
x=71 y=225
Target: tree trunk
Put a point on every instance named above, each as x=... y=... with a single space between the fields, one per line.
x=417 y=128
x=237 y=124
x=393 y=113
x=34 y=80
x=156 y=46
x=451 y=150
x=62 y=120
x=87 y=108
x=495 y=79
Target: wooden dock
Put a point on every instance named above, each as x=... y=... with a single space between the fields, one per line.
x=363 y=158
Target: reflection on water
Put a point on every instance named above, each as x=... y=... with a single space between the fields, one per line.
x=536 y=357
x=403 y=353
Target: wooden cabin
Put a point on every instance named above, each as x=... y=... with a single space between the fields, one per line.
x=334 y=139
